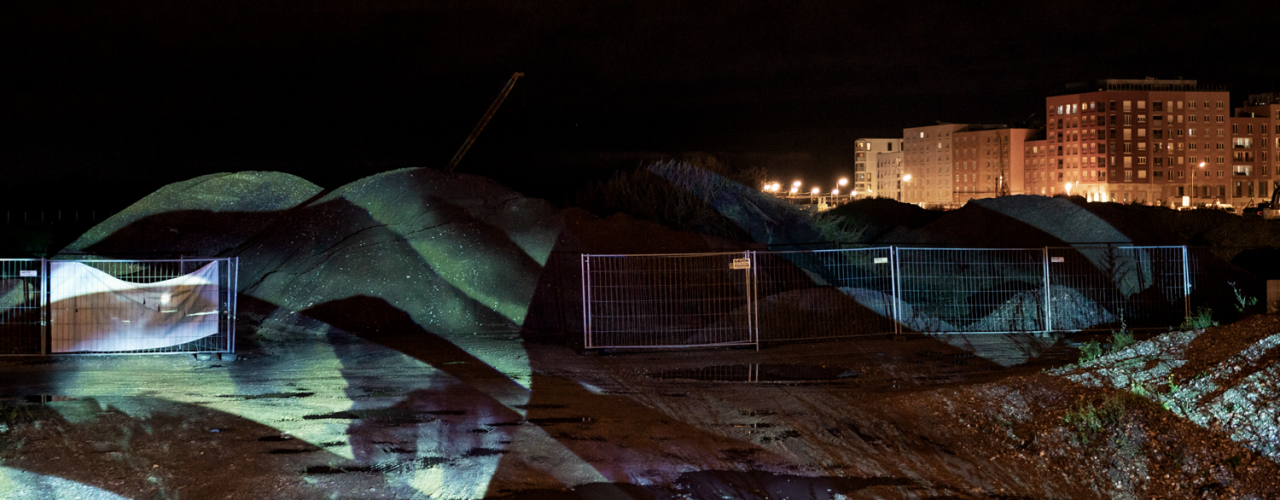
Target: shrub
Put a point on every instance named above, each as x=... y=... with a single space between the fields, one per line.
x=1242 y=301
x=1090 y=351
x=647 y=196
x=1203 y=318
x=1089 y=421
x=835 y=229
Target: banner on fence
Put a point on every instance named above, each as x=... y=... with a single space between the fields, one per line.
x=92 y=311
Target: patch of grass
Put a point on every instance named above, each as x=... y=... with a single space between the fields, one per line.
x=1089 y=422
x=1203 y=318
x=1090 y=351
x=1122 y=338
x=836 y=229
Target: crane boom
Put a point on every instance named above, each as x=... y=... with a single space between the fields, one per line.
x=493 y=108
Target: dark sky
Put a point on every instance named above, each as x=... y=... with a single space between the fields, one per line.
x=123 y=96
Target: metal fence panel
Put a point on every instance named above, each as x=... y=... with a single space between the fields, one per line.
x=21 y=307
x=824 y=293
x=971 y=290
x=91 y=321
x=641 y=301
x=1103 y=287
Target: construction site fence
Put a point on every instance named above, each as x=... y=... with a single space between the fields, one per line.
x=161 y=306
x=746 y=298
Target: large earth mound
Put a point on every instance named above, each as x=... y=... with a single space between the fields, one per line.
x=456 y=253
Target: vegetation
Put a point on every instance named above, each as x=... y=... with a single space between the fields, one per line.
x=1242 y=301
x=1203 y=318
x=836 y=229
x=1088 y=421
x=647 y=196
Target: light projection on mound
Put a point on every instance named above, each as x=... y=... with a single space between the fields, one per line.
x=22 y=485
x=92 y=311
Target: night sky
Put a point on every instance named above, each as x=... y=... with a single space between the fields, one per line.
x=102 y=102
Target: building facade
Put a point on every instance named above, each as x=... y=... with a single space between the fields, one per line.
x=865 y=163
x=1255 y=148
x=1139 y=141
x=987 y=161
x=889 y=175
x=927 y=159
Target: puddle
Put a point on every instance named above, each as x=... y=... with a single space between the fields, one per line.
x=35 y=398
x=271 y=395
x=760 y=372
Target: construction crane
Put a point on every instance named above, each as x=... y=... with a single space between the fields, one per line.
x=493 y=108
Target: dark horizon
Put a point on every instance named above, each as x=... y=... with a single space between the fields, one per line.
x=134 y=95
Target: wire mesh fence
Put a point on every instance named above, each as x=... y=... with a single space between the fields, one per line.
x=971 y=290
x=708 y=299
x=824 y=293
x=1138 y=287
x=118 y=306
x=667 y=300
x=21 y=306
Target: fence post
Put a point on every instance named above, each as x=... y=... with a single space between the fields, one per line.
x=586 y=301
x=1186 y=284
x=895 y=290
x=753 y=305
x=45 y=328
x=1048 y=291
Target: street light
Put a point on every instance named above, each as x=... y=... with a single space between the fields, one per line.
x=815 y=191
x=794 y=190
x=795 y=184
x=1068 y=189
x=905 y=178
x=835 y=192
x=843 y=181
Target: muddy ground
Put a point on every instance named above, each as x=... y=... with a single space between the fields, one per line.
x=311 y=412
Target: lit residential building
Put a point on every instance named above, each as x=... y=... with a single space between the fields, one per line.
x=1037 y=178
x=864 y=163
x=1255 y=148
x=1139 y=140
x=987 y=161
x=889 y=175
x=927 y=159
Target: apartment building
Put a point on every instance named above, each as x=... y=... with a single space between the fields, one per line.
x=1255 y=149
x=1139 y=141
x=987 y=161
x=865 y=163
x=1037 y=177
x=889 y=175
x=927 y=159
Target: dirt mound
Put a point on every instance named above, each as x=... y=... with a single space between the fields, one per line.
x=878 y=216
x=1221 y=378
x=204 y=216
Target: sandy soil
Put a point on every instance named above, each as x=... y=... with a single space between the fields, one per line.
x=308 y=412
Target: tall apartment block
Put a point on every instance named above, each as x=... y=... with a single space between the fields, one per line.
x=1255 y=149
x=864 y=163
x=1137 y=141
x=987 y=161
x=889 y=175
x=927 y=158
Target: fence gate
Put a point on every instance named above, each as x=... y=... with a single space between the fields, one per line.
x=1145 y=287
x=815 y=294
x=676 y=300
x=971 y=290
x=22 y=311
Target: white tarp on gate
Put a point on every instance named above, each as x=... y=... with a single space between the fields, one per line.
x=95 y=312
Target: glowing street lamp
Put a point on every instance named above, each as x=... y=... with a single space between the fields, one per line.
x=1068 y=189
x=795 y=189
x=835 y=192
x=905 y=178
x=815 y=191
x=843 y=181
x=795 y=184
